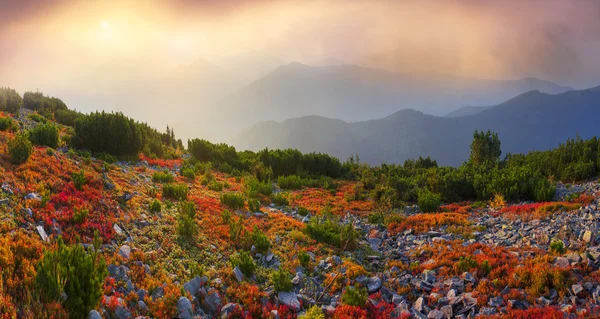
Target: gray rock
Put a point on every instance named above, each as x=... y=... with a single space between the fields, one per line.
x=142 y=307
x=4 y=201
x=374 y=284
x=184 y=308
x=239 y=276
x=562 y=262
x=290 y=300
x=125 y=251
x=228 y=309
x=94 y=315
x=496 y=302
x=118 y=230
x=42 y=233
x=34 y=196
x=436 y=314
x=362 y=279
x=194 y=285
x=419 y=304
x=468 y=277
x=122 y=313
x=588 y=236
x=577 y=289
x=447 y=310
x=212 y=302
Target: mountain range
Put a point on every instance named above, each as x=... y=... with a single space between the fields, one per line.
x=530 y=121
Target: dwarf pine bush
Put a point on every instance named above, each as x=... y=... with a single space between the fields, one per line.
x=20 y=149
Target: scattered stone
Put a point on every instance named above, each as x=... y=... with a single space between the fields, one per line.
x=42 y=233
x=290 y=300
x=125 y=251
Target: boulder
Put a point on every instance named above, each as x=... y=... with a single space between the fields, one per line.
x=290 y=300
x=125 y=251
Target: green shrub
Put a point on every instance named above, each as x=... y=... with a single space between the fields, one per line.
x=37 y=118
x=78 y=179
x=302 y=211
x=244 y=262
x=328 y=230
x=313 y=312
x=226 y=216
x=163 y=177
x=72 y=271
x=428 y=202
x=304 y=258
x=188 y=173
x=356 y=297
x=20 y=149
x=49 y=151
x=281 y=280
x=279 y=199
x=66 y=117
x=232 y=200
x=215 y=186
x=254 y=205
x=79 y=215
x=187 y=229
x=557 y=246
x=254 y=187
x=175 y=191
x=260 y=241
x=44 y=134
x=377 y=218
x=6 y=123
x=10 y=100
x=155 y=206
x=291 y=182
x=236 y=230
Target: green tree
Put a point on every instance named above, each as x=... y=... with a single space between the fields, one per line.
x=73 y=273
x=44 y=134
x=485 y=149
x=10 y=100
x=20 y=149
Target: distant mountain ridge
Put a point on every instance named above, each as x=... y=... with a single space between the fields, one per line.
x=530 y=121
x=354 y=93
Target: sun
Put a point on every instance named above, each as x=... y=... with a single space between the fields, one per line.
x=104 y=24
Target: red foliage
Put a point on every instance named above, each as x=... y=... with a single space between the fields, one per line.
x=161 y=162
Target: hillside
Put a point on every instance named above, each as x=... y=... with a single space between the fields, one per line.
x=353 y=93
x=531 y=121
x=118 y=220
x=467 y=110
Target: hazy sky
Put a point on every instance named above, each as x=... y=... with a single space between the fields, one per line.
x=45 y=42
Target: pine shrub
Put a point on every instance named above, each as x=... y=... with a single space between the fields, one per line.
x=20 y=149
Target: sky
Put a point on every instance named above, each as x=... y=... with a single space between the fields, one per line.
x=93 y=48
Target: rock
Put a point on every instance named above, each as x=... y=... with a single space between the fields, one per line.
x=496 y=302
x=42 y=233
x=228 y=309
x=362 y=279
x=297 y=279
x=447 y=310
x=239 y=276
x=577 y=289
x=375 y=243
x=34 y=196
x=142 y=307
x=194 y=285
x=436 y=314
x=486 y=311
x=419 y=304
x=212 y=301
x=587 y=236
x=4 y=201
x=184 y=308
x=122 y=313
x=562 y=262
x=94 y=315
x=125 y=251
x=374 y=284
x=468 y=277
x=290 y=300
x=118 y=230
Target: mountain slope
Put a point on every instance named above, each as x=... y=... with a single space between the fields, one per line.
x=530 y=121
x=353 y=93
x=467 y=110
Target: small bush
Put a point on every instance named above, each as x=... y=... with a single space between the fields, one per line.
x=236 y=231
x=6 y=123
x=37 y=118
x=281 y=280
x=226 y=216
x=279 y=199
x=20 y=149
x=356 y=297
x=376 y=218
x=328 y=230
x=79 y=180
x=163 y=177
x=302 y=211
x=498 y=201
x=304 y=258
x=232 y=200
x=66 y=117
x=558 y=247
x=45 y=134
x=10 y=100
x=79 y=215
x=187 y=229
x=155 y=206
x=188 y=173
x=244 y=262
x=260 y=241
x=313 y=312
x=175 y=191
x=254 y=187
x=428 y=202
x=49 y=151
x=254 y=205
x=215 y=186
